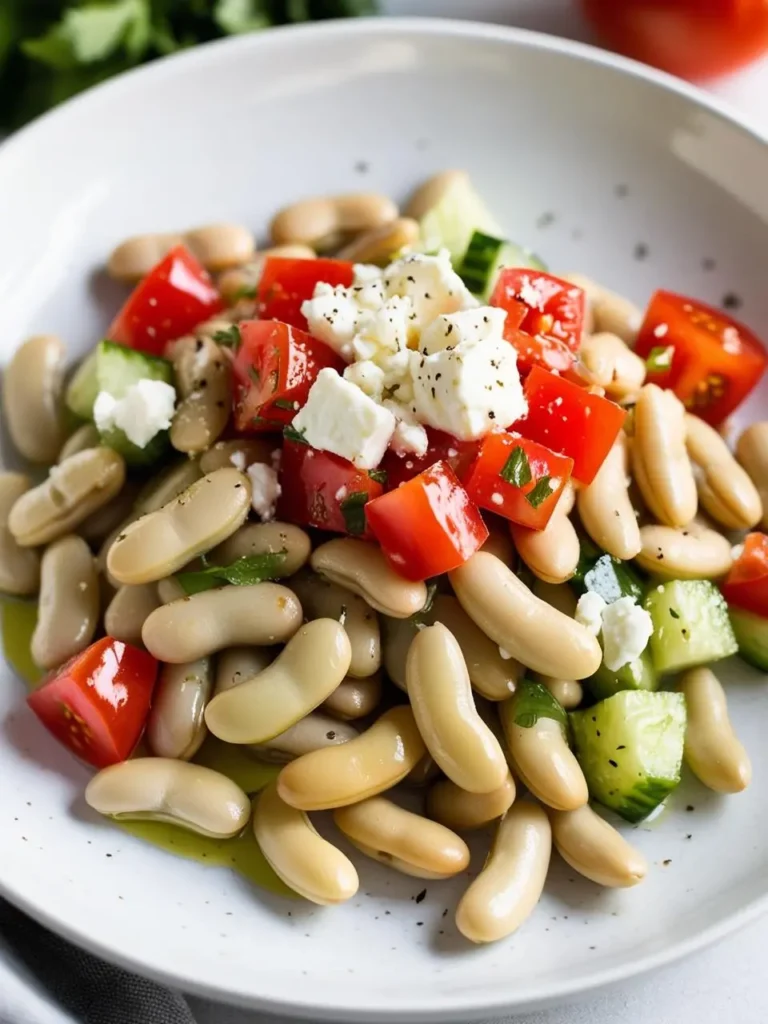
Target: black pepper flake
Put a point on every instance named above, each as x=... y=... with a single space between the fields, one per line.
x=411 y=278
x=690 y=808
x=486 y=320
x=203 y=383
x=421 y=896
x=427 y=295
x=689 y=835
x=732 y=301
x=445 y=912
x=438 y=376
x=491 y=415
x=362 y=166
x=622 y=746
x=612 y=763
x=660 y=556
x=434 y=394
x=641 y=251
x=419 y=924
x=666 y=862
x=448 y=329
x=199 y=344
x=331 y=735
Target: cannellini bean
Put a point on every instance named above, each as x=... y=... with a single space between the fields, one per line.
x=567 y=692
x=128 y=610
x=217 y=246
x=201 y=517
x=313 y=732
x=381 y=244
x=611 y=313
x=377 y=760
x=431 y=191
x=322 y=599
x=499 y=543
x=752 y=453
x=86 y=436
x=244 y=280
x=492 y=673
x=441 y=697
x=32 y=397
x=70 y=494
x=712 y=749
x=552 y=554
x=527 y=628
x=606 y=360
x=660 y=461
x=325 y=222
x=68 y=611
x=176 y=726
x=204 y=382
x=363 y=569
x=725 y=489
x=19 y=567
x=238 y=664
x=266 y=538
x=456 y=808
x=161 y=789
x=105 y=520
x=240 y=453
x=302 y=676
x=403 y=840
x=605 y=508
x=595 y=849
x=541 y=757
x=167 y=485
x=193 y=627
x=355 y=698
x=508 y=888
x=693 y=553
x=306 y=862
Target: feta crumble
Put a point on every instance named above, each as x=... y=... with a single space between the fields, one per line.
x=145 y=409
x=265 y=490
x=589 y=611
x=627 y=628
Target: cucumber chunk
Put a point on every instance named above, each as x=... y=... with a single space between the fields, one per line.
x=752 y=637
x=605 y=575
x=637 y=675
x=451 y=223
x=690 y=625
x=630 y=748
x=486 y=256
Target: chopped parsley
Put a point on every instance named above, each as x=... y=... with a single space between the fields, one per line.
x=284 y=403
x=290 y=433
x=660 y=358
x=517 y=469
x=379 y=475
x=353 y=510
x=540 y=492
x=244 y=572
x=230 y=338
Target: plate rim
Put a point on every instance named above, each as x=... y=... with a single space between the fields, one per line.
x=460 y=1008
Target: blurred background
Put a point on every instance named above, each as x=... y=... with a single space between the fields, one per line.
x=52 y=49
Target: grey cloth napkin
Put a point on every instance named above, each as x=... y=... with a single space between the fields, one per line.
x=89 y=989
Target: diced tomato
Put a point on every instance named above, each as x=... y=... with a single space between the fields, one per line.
x=286 y=283
x=274 y=368
x=545 y=317
x=709 y=360
x=96 y=704
x=429 y=525
x=322 y=490
x=174 y=297
x=570 y=420
x=459 y=455
x=518 y=479
x=746 y=585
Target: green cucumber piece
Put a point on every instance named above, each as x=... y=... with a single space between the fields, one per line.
x=630 y=748
x=690 y=625
x=451 y=222
x=84 y=387
x=531 y=702
x=637 y=675
x=486 y=256
x=605 y=575
x=752 y=637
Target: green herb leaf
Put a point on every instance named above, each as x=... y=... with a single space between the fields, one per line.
x=660 y=358
x=533 y=701
x=245 y=291
x=379 y=475
x=242 y=573
x=290 y=433
x=283 y=403
x=92 y=33
x=237 y=16
x=353 y=510
x=517 y=469
x=540 y=492
x=229 y=338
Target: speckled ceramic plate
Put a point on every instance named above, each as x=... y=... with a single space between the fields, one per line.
x=598 y=164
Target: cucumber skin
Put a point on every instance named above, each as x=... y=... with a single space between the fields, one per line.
x=701 y=611
x=654 y=770
x=639 y=675
x=484 y=259
x=752 y=637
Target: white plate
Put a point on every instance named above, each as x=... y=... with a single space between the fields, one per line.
x=586 y=158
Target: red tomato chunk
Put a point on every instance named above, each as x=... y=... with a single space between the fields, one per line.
x=709 y=360
x=459 y=455
x=570 y=420
x=322 y=490
x=429 y=525
x=97 y=703
x=518 y=479
x=286 y=283
x=174 y=297
x=746 y=585
x=274 y=368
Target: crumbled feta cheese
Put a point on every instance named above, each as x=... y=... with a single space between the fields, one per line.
x=589 y=611
x=145 y=409
x=238 y=460
x=409 y=436
x=627 y=628
x=470 y=327
x=432 y=285
x=367 y=376
x=265 y=490
x=339 y=418
x=333 y=316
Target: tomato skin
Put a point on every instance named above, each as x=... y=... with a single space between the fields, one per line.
x=274 y=369
x=97 y=703
x=314 y=486
x=715 y=360
x=746 y=585
x=459 y=455
x=696 y=39
x=427 y=526
x=286 y=283
x=568 y=419
x=484 y=483
x=174 y=297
